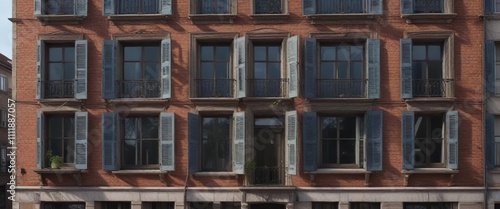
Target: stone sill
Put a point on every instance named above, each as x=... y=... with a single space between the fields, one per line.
x=429 y=17
x=215 y=174
x=60 y=19
x=269 y=18
x=59 y=101
x=211 y=18
x=494 y=16
x=257 y=99
x=339 y=171
x=77 y=174
x=344 y=99
x=138 y=100
x=431 y=99
x=126 y=172
x=408 y=173
x=214 y=100
x=352 y=18
x=137 y=17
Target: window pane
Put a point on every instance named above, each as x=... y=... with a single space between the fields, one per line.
x=329 y=127
x=356 y=70
x=130 y=152
x=222 y=53
x=222 y=69
x=347 y=151
x=347 y=127
x=223 y=155
x=274 y=53
x=274 y=71
x=152 y=53
x=434 y=52
x=342 y=70
x=418 y=70
x=259 y=53
x=149 y=152
x=419 y=52
x=69 y=147
x=132 y=71
x=343 y=53
x=435 y=150
x=436 y=126
x=132 y=53
x=55 y=71
x=56 y=146
x=357 y=53
x=55 y=125
x=69 y=54
x=421 y=127
x=55 y=54
x=207 y=70
x=435 y=70
x=259 y=70
x=328 y=53
x=69 y=127
x=69 y=71
x=209 y=154
x=329 y=151
x=130 y=128
x=207 y=53
x=150 y=127
x=151 y=72
x=326 y=71
x=497 y=126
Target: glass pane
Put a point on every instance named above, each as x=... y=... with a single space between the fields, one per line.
x=69 y=150
x=419 y=52
x=130 y=128
x=69 y=54
x=347 y=151
x=357 y=53
x=151 y=72
x=152 y=53
x=274 y=53
x=436 y=126
x=259 y=53
x=268 y=122
x=347 y=127
x=55 y=125
x=207 y=53
x=223 y=155
x=329 y=127
x=69 y=71
x=132 y=53
x=150 y=127
x=55 y=71
x=328 y=53
x=343 y=53
x=149 y=152
x=329 y=151
x=326 y=71
x=418 y=70
x=56 y=146
x=434 y=150
x=209 y=156
x=69 y=127
x=130 y=152
x=207 y=70
x=434 y=52
x=497 y=126
x=435 y=70
x=55 y=54
x=342 y=70
x=222 y=53
x=259 y=71
x=356 y=70
x=221 y=71
x=421 y=127
x=132 y=71
x=274 y=71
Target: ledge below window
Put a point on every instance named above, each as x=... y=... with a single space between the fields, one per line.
x=354 y=18
x=60 y=101
x=269 y=18
x=211 y=18
x=216 y=174
x=431 y=99
x=211 y=100
x=408 y=173
x=60 y=19
x=161 y=174
x=340 y=171
x=138 y=100
x=63 y=171
x=429 y=17
x=137 y=17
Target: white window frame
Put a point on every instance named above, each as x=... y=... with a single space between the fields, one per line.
x=444 y=151
x=3 y=82
x=3 y=118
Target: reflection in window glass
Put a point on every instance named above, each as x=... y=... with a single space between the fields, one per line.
x=140 y=141
x=216 y=144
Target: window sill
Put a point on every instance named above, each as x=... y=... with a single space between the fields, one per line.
x=61 y=102
x=408 y=173
x=256 y=99
x=269 y=18
x=138 y=100
x=212 y=100
x=215 y=174
x=353 y=18
x=77 y=174
x=133 y=172
x=494 y=16
x=137 y=17
x=353 y=99
x=429 y=17
x=432 y=99
x=341 y=171
x=211 y=18
x=60 y=19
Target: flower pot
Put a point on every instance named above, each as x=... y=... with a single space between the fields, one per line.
x=55 y=165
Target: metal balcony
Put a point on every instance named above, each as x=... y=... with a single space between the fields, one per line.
x=267 y=87
x=214 y=6
x=431 y=87
x=214 y=87
x=428 y=6
x=268 y=7
x=136 y=6
x=340 y=6
x=341 y=88
x=58 y=89
x=59 y=7
x=268 y=175
x=138 y=89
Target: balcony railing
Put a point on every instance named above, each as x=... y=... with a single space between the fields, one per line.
x=431 y=87
x=136 y=6
x=214 y=87
x=214 y=6
x=341 y=88
x=268 y=7
x=59 y=7
x=58 y=89
x=267 y=87
x=340 y=6
x=428 y=6
x=268 y=175
x=138 y=89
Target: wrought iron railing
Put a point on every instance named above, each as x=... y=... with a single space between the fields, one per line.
x=136 y=6
x=59 y=7
x=340 y=6
x=268 y=175
x=431 y=87
x=58 y=89
x=268 y=6
x=138 y=89
x=341 y=88
x=267 y=87
x=428 y=6
x=214 y=6
x=214 y=87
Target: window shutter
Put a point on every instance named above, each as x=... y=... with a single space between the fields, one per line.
x=38 y=7
x=489 y=66
x=452 y=138
x=407 y=6
x=489 y=149
x=109 y=141
x=406 y=68
x=373 y=63
x=81 y=8
x=407 y=139
x=291 y=132
x=166 y=7
x=166 y=68
x=108 y=69
x=489 y=7
x=292 y=63
x=310 y=67
x=374 y=140
x=167 y=148
x=376 y=6
x=81 y=136
x=194 y=143
x=39 y=69
x=309 y=141
x=108 y=7
x=239 y=143
x=240 y=50
x=81 y=69
x=308 y=7
x=40 y=120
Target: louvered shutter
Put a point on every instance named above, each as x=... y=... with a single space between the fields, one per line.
x=108 y=69
x=308 y=7
x=81 y=69
x=374 y=121
x=291 y=135
x=309 y=141
x=310 y=67
x=408 y=139
x=167 y=148
x=39 y=69
x=489 y=149
x=166 y=70
x=406 y=68
x=292 y=66
x=239 y=143
x=81 y=136
x=166 y=7
x=81 y=7
x=109 y=141
x=38 y=7
x=452 y=138
x=407 y=6
x=108 y=7
x=194 y=139
x=40 y=126
x=373 y=64
x=240 y=49
x=489 y=66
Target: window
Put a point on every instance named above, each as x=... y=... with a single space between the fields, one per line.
x=427 y=11
x=428 y=206
x=214 y=6
x=201 y=205
x=313 y=7
x=266 y=78
x=428 y=6
x=60 y=7
x=365 y=205
x=325 y=205
x=3 y=197
x=3 y=83
x=116 y=8
x=213 y=11
x=230 y=205
x=342 y=141
x=497 y=141
x=214 y=77
x=497 y=68
x=140 y=142
x=3 y=118
x=430 y=140
x=342 y=69
x=134 y=68
x=268 y=6
x=61 y=136
x=428 y=70
x=62 y=69
x=216 y=144
x=63 y=205
x=4 y=165
x=115 y=205
x=158 y=205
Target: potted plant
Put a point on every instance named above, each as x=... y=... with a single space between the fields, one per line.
x=55 y=161
x=249 y=171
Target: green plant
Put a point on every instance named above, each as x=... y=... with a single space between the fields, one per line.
x=55 y=160
x=249 y=167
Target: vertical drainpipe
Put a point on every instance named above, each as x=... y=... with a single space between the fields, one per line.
x=485 y=106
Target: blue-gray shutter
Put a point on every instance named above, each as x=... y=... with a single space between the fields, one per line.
x=489 y=149
x=108 y=7
x=406 y=68
x=81 y=69
x=452 y=138
x=38 y=7
x=408 y=139
x=108 y=69
x=194 y=143
x=407 y=6
x=109 y=141
x=374 y=126
x=309 y=141
x=239 y=143
x=40 y=120
x=489 y=7
x=167 y=147
x=240 y=50
x=376 y=6
x=39 y=68
x=308 y=7
x=166 y=68
x=310 y=67
x=81 y=136
x=291 y=135
x=166 y=7
x=373 y=64
x=81 y=8
x=292 y=66
x=489 y=66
